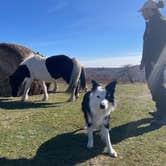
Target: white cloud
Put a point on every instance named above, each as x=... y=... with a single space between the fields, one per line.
x=118 y=61
x=60 y=5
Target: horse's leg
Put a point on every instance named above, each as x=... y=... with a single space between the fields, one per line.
x=72 y=97
x=45 y=91
x=26 y=89
x=77 y=90
x=55 y=86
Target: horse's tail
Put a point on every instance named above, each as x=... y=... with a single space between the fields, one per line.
x=83 y=84
x=75 y=75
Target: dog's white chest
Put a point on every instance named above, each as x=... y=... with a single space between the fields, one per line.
x=97 y=119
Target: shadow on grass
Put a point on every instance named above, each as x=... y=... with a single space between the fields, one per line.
x=66 y=149
x=4 y=99
x=69 y=149
x=132 y=129
x=12 y=105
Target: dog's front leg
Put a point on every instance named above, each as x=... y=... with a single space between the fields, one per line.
x=106 y=135
x=90 y=137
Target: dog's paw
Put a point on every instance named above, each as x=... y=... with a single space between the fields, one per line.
x=113 y=153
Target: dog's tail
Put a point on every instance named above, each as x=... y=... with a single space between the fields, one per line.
x=79 y=129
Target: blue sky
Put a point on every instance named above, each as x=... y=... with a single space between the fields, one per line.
x=100 y=33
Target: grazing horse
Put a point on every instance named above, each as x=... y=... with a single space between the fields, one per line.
x=48 y=69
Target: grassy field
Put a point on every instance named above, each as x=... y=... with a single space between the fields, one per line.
x=38 y=133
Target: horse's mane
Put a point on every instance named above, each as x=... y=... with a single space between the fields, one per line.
x=31 y=55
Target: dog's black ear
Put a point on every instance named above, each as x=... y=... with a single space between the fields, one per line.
x=111 y=86
x=94 y=85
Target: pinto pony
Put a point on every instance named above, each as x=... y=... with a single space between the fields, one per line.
x=48 y=69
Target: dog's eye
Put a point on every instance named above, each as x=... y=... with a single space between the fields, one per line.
x=98 y=97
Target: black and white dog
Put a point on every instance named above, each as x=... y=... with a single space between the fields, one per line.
x=97 y=105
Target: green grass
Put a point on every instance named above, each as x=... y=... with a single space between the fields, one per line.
x=37 y=133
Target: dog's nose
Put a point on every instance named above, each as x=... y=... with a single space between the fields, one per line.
x=102 y=106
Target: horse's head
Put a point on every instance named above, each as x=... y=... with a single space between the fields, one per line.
x=17 y=79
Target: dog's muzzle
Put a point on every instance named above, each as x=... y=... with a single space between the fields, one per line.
x=102 y=106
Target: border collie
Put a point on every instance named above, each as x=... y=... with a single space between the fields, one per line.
x=97 y=105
